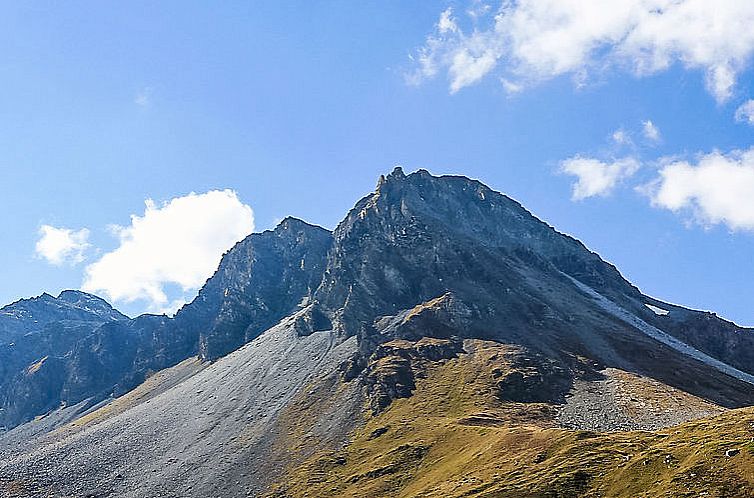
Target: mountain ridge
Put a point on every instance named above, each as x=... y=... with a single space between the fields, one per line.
x=307 y=337
x=214 y=324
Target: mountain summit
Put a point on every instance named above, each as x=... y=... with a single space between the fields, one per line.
x=440 y=331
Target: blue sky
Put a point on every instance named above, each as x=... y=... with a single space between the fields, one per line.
x=296 y=109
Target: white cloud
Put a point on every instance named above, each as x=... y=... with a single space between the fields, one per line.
x=470 y=65
x=447 y=24
x=595 y=177
x=717 y=188
x=536 y=40
x=621 y=137
x=61 y=245
x=178 y=242
x=745 y=112
x=510 y=86
x=651 y=131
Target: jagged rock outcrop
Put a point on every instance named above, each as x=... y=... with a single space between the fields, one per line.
x=532 y=379
x=394 y=366
x=264 y=278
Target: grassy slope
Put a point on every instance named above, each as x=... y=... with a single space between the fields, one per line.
x=454 y=438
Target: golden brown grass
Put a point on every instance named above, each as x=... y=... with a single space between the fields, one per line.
x=432 y=304
x=452 y=438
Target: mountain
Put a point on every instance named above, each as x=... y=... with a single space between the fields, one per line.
x=441 y=341
x=35 y=334
x=261 y=280
x=75 y=351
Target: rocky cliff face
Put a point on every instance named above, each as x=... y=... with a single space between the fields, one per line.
x=264 y=278
x=418 y=237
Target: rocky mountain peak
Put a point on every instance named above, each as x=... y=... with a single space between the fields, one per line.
x=90 y=302
x=292 y=225
x=35 y=313
x=420 y=236
x=73 y=295
x=259 y=281
x=464 y=204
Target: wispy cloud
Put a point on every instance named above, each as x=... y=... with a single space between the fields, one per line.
x=447 y=24
x=530 y=41
x=58 y=245
x=745 y=112
x=650 y=131
x=621 y=137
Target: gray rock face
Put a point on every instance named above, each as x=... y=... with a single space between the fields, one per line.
x=418 y=237
x=264 y=278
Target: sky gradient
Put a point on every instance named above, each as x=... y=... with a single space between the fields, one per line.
x=297 y=109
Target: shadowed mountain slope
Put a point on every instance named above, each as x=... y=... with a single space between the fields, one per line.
x=61 y=351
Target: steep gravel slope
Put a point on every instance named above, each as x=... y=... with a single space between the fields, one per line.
x=622 y=401
x=207 y=436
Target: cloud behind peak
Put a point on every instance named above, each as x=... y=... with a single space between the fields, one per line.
x=176 y=243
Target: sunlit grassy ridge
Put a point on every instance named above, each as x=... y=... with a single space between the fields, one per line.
x=453 y=437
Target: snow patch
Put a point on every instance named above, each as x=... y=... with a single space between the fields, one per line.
x=656 y=310
x=661 y=336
